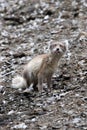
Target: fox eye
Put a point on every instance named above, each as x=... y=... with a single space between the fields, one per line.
x=61 y=45
x=52 y=46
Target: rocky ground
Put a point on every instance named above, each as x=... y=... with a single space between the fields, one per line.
x=26 y=29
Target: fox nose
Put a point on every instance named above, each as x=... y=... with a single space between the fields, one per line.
x=57 y=49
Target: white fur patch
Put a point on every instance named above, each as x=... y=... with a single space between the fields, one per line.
x=18 y=82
